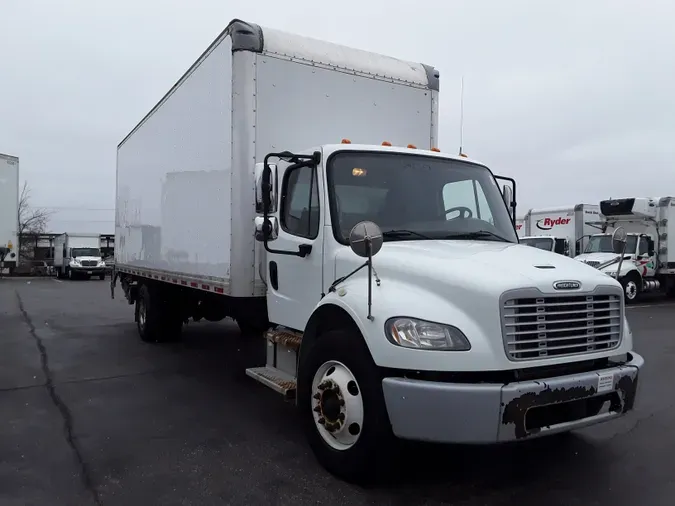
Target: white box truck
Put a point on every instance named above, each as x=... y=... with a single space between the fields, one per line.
x=648 y=263
x=520 y=226
x=78 y=255
x=388 y=280
x=9 y=213
x=563 y=230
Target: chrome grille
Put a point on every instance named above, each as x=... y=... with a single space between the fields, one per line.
x=592 y=263
x=89 y=263
x=555 y=326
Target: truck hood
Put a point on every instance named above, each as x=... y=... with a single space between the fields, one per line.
x=483 y=266
x=95 y=259
x=596 y=258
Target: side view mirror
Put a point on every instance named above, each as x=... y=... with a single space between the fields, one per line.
x=269 y=226
x=619 y=241
x=259 y=190
x=507 y=195
x=366 y=239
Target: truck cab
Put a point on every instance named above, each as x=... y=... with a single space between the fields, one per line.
x=639 y=262
x=396 y=276
x=560 y=245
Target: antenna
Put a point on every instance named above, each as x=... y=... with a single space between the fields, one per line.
x=461 y=117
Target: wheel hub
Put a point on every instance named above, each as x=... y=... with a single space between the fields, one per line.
x=337 y=405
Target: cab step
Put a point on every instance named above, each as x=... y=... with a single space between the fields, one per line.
x=277 y=380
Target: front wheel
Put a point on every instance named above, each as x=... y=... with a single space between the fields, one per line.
x=632 y=287
x=342 y=407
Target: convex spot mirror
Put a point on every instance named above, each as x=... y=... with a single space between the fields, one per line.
x=365 y=239
x=269 y=227
x=619 y=240
x=259 y=194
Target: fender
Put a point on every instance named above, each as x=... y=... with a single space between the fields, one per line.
x=347 y=308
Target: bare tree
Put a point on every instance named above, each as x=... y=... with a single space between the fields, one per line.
x=32 y=222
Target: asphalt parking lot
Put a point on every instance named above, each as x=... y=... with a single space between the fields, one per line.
x=91 y=415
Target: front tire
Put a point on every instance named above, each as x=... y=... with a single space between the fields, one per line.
x=342 y=407
x=632 y=287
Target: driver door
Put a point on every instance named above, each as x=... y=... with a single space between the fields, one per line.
x=293 y=282
x=645 y=261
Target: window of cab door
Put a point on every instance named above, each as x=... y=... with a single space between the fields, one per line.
x=299 y=209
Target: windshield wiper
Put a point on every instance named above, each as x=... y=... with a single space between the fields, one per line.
x=477 y=235
x=403 y=233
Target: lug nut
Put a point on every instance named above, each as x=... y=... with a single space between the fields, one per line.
x=322 y=421
x=317 y=409
x=317 y=396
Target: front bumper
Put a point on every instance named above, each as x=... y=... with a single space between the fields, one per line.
x=489 y=413
x=87 y=270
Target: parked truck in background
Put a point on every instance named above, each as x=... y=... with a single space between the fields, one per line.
x=385 y=275
x=9 y=213
x=563 y=230
x=78 y=255
x=649 y=261
x=520 y=226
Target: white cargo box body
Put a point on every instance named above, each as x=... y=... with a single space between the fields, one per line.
x=188 y=167
x=571 y=222
x=520 y=226
x=9 y=206
x=666 y=242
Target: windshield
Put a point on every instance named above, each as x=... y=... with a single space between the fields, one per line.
x=603 y=244
x=545 y=243
x=416 y=197
x=85 y=252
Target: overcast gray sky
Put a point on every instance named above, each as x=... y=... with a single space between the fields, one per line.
x=574 y=99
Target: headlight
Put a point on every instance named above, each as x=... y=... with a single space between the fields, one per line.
x=420 y=334
x=101 y=264
x=75 y=262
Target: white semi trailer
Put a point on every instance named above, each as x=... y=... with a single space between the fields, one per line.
x=9 y=212
x=386 y=276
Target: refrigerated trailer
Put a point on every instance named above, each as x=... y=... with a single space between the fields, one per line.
x=9 y=212
x=297 y=188
x=648 y=264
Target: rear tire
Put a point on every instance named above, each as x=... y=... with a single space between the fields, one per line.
x=354 y=441
x=155 y=321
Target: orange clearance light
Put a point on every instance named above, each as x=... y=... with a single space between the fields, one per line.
x=463 y=155
x=346 y=141
x=436 y=150
x=358 y=172
x=386 y=143
x=412 y=146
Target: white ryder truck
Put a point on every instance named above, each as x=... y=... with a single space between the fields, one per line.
x=9 y=212
x=649 y=261
x=451 y=332
x=78 y=255
x=563 y=230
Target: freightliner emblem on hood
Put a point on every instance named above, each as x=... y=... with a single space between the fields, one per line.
x=566 y=285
